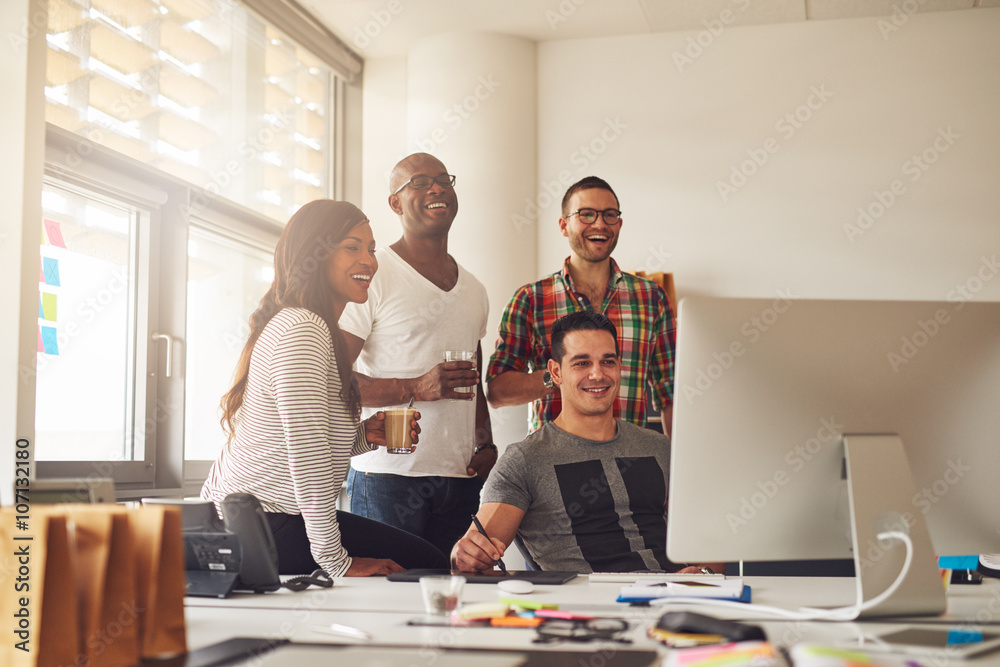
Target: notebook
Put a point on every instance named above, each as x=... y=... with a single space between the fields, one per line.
x=554 y=577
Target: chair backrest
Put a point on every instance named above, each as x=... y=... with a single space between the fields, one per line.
x=529 y=562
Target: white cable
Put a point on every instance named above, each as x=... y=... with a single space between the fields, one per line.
x=808 y=613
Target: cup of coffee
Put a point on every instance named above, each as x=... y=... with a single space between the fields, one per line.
x=462 y=355
x=397 y=430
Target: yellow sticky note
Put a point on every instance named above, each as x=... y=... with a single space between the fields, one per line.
x=49 y=306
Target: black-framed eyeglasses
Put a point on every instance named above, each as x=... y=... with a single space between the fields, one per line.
x=425 y=182
x=582 y=630
x=588 y=216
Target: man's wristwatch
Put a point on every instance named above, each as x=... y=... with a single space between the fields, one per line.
x=485 y=445
x=547 y=380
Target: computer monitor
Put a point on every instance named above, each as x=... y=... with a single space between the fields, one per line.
x=765 y=392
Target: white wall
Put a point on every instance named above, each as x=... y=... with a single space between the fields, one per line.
x=680 y=130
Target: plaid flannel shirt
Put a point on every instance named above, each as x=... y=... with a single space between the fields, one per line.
x=640 y=312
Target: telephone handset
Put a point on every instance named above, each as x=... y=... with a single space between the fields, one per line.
x=243 y=515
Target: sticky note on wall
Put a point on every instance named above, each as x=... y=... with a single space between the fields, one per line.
x=50 y=340
x=49 y=303
x=50 y=269
x=54 y=232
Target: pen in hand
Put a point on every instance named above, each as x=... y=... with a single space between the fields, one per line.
x=482 y=531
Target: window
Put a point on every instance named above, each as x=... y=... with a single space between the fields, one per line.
x=226 y=280
x=87 y=327
x=200 y=89
x=182 y=135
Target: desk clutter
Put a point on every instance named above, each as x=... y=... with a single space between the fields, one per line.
x=91 y=585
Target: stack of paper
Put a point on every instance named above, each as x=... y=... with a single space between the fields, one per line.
x=723 y=589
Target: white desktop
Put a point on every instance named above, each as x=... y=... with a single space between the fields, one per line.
x=765 y=392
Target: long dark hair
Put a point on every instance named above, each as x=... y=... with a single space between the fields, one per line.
x=300 y=281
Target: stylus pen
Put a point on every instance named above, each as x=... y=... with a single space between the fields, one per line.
x=479 y=527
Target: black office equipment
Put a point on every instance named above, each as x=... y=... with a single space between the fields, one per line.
x=687 y=622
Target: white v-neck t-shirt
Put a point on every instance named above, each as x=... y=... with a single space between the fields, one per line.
x=407 y=324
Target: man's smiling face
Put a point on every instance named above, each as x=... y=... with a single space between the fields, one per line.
x=589 y=373
x=431 y=210
x=596 y=242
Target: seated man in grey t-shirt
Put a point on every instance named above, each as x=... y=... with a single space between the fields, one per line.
x=586 y=492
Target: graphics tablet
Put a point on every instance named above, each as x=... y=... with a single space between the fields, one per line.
x=491 y=577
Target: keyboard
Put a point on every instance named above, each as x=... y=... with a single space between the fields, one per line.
x=630 y=577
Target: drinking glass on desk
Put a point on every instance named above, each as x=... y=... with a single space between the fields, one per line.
x=442 y=593
x=462 y=355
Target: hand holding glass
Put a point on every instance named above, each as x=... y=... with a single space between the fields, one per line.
x=462 y=355
x=398 y=439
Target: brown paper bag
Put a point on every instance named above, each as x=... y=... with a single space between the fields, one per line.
x=38 y=590
x=159 y=560
x=105 y=583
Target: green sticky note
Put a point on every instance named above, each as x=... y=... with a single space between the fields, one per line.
x=49 y=306
x=528 y=604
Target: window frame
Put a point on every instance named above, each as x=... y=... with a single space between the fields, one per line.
x=174 y=207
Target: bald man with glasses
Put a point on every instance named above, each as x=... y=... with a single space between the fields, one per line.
x=421 y=303
x=590 y=280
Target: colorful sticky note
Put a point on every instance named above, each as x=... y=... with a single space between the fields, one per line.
x=54 y=232
x=49 y=302
x=50 y=340
x=41 y=345
x=50 y=266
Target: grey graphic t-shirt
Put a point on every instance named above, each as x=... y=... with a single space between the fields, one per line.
x=591 y=505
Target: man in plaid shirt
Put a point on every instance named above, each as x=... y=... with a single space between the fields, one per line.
x=589 y=280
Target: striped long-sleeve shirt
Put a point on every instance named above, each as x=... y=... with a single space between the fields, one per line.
x=294 y=435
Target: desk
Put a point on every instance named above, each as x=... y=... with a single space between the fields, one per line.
x=382 y=608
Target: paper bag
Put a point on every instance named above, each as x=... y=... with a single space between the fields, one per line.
x=159 y=560
x=106 y=584
x=38 y=590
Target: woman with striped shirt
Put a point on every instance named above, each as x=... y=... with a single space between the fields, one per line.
x=292 y=413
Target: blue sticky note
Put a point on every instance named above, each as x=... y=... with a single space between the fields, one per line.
x=50 y=340
x=51 y=267
x=958 y=562
x=964 y=636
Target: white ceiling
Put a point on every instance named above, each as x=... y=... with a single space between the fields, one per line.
x=379 y=28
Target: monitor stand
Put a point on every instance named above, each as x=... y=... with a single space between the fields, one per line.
x=881 y=491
